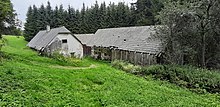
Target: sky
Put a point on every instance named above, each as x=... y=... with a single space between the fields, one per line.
x=21 y=6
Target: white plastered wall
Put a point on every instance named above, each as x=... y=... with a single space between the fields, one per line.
x=74 y=46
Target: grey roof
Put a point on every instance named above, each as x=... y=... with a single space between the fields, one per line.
x=43 y=38
x=84 y=38
x=127 y=38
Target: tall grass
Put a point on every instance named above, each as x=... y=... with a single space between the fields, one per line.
x=27 y=79
x=198 y=80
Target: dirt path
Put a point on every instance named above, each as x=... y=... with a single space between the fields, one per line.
x=70 y=67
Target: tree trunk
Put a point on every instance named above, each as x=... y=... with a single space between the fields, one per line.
x=204 y=26
x=203 y=50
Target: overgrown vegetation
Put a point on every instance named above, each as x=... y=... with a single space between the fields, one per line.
x=190 y=32
x=7 y=19
x=66 y=61
x=2 y=54
x=125 y=66
x=198 y=80
x=27 y=79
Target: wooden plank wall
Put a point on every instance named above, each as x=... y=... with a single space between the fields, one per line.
x=86 y=50
x=137 y=58
x=53 y=47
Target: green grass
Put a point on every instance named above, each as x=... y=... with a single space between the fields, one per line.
x=30 y=80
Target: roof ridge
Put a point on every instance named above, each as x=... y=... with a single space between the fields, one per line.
x=53 y=28
x=127 y=27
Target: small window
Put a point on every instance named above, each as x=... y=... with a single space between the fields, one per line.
x=64 y=41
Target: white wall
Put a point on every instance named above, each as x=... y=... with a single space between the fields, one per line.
x=73 y=44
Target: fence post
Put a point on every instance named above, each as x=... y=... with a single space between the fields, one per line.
x=142 y=58
x=135 y=59
x=121 y=55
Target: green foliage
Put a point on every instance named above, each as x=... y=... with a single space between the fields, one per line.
x=147 y=10
x=30 y=25
x=67 y=61
x=12 y=30
x=199 y=80
x=31 y=80
x=125 y=66
x=2 y=43
x=190 y=32
x=6 y=14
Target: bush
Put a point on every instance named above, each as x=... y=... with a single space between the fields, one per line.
x=65 y=61
x=125 y=66
x=3 y=56
x=2 y=42
x=199 y=80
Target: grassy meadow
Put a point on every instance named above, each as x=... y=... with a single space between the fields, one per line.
x=27 y=79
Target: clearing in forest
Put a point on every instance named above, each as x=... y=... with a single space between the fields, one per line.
x=27 y=79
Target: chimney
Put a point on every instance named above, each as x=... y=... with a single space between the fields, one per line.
x=48 y=28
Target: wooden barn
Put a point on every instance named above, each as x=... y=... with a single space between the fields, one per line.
x=85 y=38
x=57 y=40
x=132 y=44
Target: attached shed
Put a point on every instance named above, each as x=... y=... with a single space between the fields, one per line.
x=133 y=44
x=57 y=40
x=85 y=38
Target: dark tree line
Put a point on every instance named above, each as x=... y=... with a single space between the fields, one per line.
x=90 y=19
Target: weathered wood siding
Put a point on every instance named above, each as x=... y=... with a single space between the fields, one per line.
x=55 y=46
x=86 y=50
x=101 y=53
x=137 y=58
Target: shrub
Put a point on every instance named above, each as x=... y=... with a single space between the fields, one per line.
x=66 y=61
x=125 y=66
x=3 y=56
x=199 y=80
x=2 y=42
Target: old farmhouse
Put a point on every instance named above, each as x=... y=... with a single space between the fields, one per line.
x=133 y=44
x=57 y=40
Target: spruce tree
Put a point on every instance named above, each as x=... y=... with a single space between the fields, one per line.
x=147 y=10
x=49 y=15
x=56 y=18
x=103 y=15
x=29 y=25
x=83 y=24
x=41 y=19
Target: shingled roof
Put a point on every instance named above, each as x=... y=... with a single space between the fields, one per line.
x=127 y=38
x=84 y=38
x=43 y=38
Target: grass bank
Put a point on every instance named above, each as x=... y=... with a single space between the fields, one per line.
x=27 y=79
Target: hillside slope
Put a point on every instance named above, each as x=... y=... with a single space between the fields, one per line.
x=30 y=80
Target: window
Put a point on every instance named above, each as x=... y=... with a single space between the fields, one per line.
x=64 y=40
